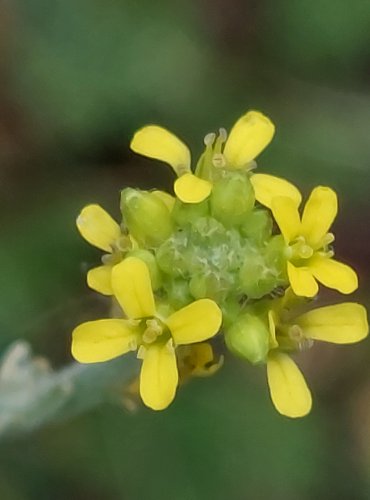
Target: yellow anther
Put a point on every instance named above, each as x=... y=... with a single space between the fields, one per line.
x=170 y=346
x=209 y=139
x=295 y=333
x=133 y=345
x=222 y=134
x=327 y=239
x=154 y=329
x=141 y=352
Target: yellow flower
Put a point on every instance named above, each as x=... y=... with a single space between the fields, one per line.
x=147 y=330
x=198 y=360
x=98 y=228
x=248 y=138
x=340 y=324
x=307 y=237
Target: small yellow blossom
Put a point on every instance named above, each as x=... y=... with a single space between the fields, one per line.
x=248 y=138
x=147 y=330
x=309 y=258
x=340 y=324
x=179 y=267
x=198 y=360
x=98 y=228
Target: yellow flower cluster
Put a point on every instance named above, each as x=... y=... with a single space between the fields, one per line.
x=210 y=261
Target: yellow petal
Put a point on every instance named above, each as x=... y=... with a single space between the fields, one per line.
x=272 y=329
x=285 y=212
x=99 y=279
x=319 y=213
x=167 y=199
x=302 y=282
x=333 y=274
x=266 y=187
x=196 y=322
x=202 y=360
x=248 y=137
x=160 y=144
x=133 y=289
x=191 y=189
x=98 y=227
x=341 y=324
x=101 y=340
x=159 y=376
x=288 y=388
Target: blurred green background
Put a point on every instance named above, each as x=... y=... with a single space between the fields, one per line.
x=77 y=78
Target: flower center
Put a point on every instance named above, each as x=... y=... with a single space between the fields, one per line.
x=154 y=329
x=300 y=249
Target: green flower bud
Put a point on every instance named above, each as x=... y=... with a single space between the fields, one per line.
x=257 y=226
x=146 y=216
x=178 y=293
x=210 y=286
x=171 y=256
x=150 y=260
x=275 y=255
x=187 y=213
x=248 y=338
x=232 y=198
x=256 y=278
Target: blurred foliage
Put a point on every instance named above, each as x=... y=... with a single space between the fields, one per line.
x=77 y=78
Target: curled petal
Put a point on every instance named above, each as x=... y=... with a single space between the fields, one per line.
x=102 y=340
x=132 y=287
x=158 y=143
x=196 y=322
x=248 y=138
x=99 y=279
x=159 y=376
x=98 y=227
x=341 y=324
x=266 y=187
x=334 y=274
x=167 y=199
x=285 y=212
x=318 y=215
x=191 y=189
x=203 y=361
x=301 y=280
x=288 y=388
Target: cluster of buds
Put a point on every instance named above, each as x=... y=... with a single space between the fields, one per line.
x=226 y=263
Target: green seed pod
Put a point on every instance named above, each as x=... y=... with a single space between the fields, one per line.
x=232 y=198
x=146 y=216
x=187 y=213
x=248 y=338
x=150 y=260
x=257 y=226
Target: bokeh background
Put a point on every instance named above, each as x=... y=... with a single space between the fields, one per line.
x=77 y=78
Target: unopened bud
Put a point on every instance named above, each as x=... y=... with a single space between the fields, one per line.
x=205 y=286
x=146 y=216
x=248 y=338
x=232 y=198
x=257 y=226
x=187 y=213
x=256 y=278
x=178 y=293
